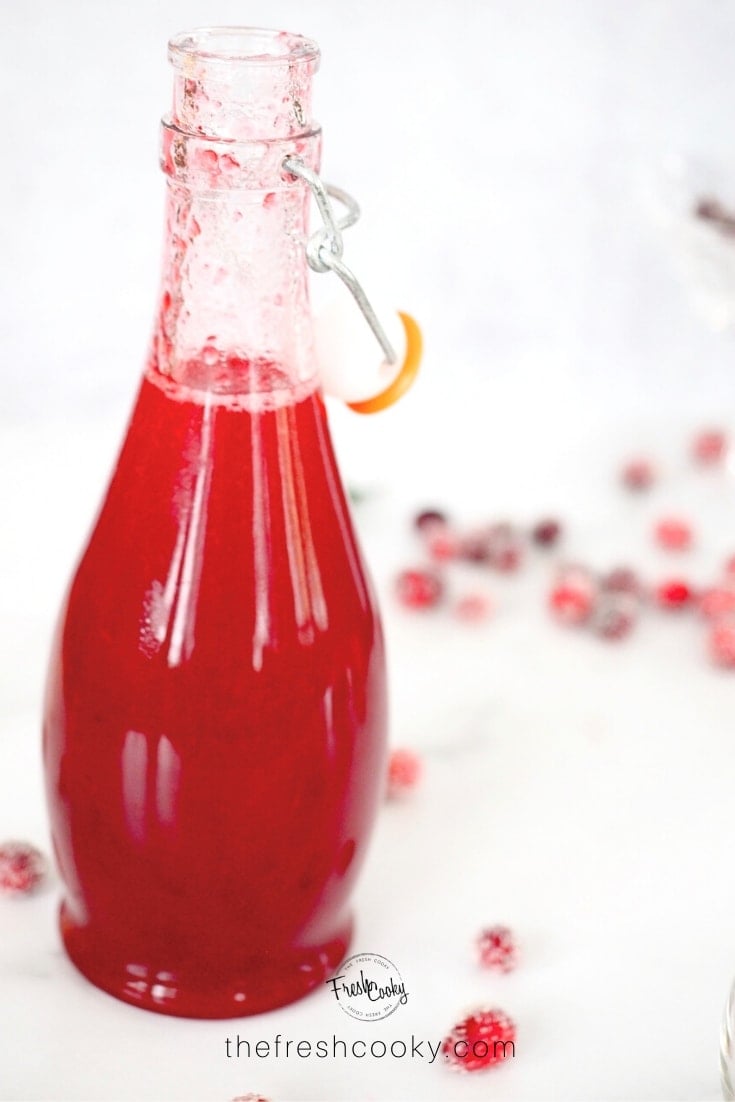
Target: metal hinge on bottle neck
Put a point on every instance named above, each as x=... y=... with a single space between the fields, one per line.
x=324 y=248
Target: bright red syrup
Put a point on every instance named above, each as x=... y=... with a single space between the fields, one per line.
x=215 y=713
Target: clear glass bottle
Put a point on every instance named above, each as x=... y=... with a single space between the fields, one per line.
x=215 y=711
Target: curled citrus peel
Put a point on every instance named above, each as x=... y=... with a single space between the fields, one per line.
x=405 y=377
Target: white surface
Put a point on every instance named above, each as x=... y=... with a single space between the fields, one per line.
x=508 y=158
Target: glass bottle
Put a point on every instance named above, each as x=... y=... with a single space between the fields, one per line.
x=215 y=710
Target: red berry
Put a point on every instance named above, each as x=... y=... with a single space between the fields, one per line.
x=622 y=580
x=497 y=949
x=709 y=446
x=673 y=534
x=505 y=547
x=571 y=604
x=404 y=772
x=546 y=533
x=615 y=616
x=722 y=644
x=497 y=545
x=573 y=596
x=484 y=1038
x=442 y=545
x=730 y=566
x=430 y=518
x=638 y=474
x=473 y=607
x=674 y=594
x=22 y=868
x=475 y=547
x=508 y=557
x=717 y=602
x=419 y=589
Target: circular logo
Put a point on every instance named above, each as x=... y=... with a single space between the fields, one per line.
x=368 y=987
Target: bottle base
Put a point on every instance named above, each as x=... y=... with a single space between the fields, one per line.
x=273 y=981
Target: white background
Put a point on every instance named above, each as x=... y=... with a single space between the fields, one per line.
x=525 y=170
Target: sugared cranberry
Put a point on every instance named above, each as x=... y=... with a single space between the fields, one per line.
x=22 y=868
x=716 y=215
x=573 y=597
x=546 y=533
x=638 y=474
x=442 y=545
x=717 y=602
x=722 y=643
x=505 y=547
x=622 y=580
x=473 y=607
x=497 y=545
x=404 y=772
x=507 y=557
x=709 y=446
x=674 y=594
x=615 y=616
x=430 y=518
x=496 y=948
x=483 y=1039
x=673 y=533
x=475 y=546
x=419 y=589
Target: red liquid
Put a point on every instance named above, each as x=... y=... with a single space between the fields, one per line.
x=215 y=713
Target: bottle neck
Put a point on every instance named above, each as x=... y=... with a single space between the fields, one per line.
x=234 y=314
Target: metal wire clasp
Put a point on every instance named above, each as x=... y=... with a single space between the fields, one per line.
x=324 y=248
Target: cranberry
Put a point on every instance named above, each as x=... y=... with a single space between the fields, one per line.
x=709 y=446
x=546 y=533
x=419 y=589
x=722 y=644
x=478 y=546
x=497 y=545
x=615 y=616
x=622 y=580
x=717 y=215
x=404 y=772
x=674 y=594
x=430 y=518
x=497 y=948
x=22 y=868
x=475 y=547
x=507 y=557
x=638 y=474
x=673 y=533
x=717 y=602
x=484 y=1038
x=573 y=596
x=442 y=545
x=571 y=604
x=473 y=607
x=505 y=547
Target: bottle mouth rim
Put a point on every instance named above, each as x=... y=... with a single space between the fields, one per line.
x=245 y=45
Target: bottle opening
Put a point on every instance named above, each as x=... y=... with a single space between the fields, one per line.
x=242 y=83
x=253 y=45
